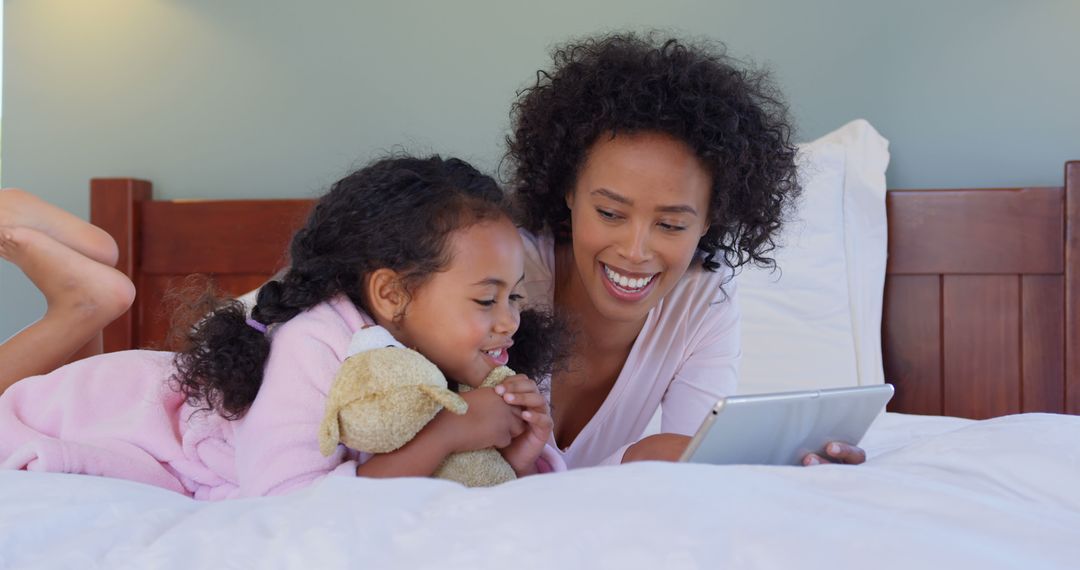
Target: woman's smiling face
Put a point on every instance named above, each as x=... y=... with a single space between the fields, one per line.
x=638 y=209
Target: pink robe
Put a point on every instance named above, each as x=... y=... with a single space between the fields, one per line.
x=115 y=415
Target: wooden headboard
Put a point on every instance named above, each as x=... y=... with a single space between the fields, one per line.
x=982 y=300
x=982 y=290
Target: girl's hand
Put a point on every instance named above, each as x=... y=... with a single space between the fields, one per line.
x=837 y=452
x=524 y=450
x=490 y=422
x=659 y=447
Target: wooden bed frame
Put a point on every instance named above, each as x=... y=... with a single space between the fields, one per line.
x=982 y=292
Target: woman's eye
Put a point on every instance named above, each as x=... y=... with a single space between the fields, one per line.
x=485 y=302
x=515 y=298
x=671 y=227
x=607 y=215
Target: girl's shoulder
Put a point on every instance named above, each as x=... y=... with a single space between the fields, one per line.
x=331 y=323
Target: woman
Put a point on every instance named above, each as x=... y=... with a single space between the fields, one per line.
x=645 y=172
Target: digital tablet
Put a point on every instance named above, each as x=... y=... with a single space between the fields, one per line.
x=780 y=429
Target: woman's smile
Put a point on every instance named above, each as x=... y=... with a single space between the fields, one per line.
x=626 y=285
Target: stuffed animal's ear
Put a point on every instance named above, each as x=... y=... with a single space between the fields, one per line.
x=329 y=432
x=449 y=400
x=497 y=375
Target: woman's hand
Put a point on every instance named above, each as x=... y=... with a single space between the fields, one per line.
x=490 y=422
x=837 y=452
x=524 y=450
x=659 y=447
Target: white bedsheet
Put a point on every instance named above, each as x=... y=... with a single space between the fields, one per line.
x=936 y=493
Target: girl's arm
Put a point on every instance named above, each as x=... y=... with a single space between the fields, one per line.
x=418 y=458
x=490 y=422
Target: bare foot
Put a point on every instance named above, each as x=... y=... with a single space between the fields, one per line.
x=91 y=293
x=19 y=208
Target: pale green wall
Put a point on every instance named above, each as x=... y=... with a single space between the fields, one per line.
x=247 y=98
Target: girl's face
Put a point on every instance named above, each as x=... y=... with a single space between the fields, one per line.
x=462 y=319
x=638 y=209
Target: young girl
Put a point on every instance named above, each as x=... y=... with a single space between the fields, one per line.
x=421 y=247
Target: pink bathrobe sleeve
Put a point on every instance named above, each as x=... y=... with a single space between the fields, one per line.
x=277 y=445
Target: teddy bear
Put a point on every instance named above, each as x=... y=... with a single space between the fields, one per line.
x=384 y=394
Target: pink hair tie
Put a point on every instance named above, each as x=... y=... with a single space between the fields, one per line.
x=256 y=325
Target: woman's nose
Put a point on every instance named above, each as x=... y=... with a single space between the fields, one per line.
x=635 y=244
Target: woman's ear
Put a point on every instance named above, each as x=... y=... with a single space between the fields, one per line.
x=385 y=296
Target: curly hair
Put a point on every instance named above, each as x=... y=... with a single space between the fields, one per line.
x=396 y=213
x=733 y=118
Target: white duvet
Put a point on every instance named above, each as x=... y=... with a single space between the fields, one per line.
x=935 y=493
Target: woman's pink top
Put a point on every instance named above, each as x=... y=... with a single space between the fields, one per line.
x=685 y=358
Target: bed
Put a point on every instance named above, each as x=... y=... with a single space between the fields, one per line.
x=975 y=465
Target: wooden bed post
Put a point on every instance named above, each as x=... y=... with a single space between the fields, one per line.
x=114 y=207
x=1072 y=287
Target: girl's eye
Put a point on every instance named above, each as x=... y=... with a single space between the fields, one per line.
x=485 y=302
x=671 y=227
x=515 y=298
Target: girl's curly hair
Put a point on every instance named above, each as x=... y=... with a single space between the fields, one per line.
x=732 y=117
x=396 y=213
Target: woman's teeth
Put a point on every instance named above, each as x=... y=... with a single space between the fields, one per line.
x=494 y=353
x=628 y=283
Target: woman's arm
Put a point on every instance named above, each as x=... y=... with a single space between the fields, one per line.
x=709 y=371
x=658 y=447
x=837 y=452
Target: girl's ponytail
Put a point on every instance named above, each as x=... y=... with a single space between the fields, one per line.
x=221 y=369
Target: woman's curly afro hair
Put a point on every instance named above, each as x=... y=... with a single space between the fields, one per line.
x=733 y=118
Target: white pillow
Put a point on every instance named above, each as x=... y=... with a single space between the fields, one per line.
x=866 y=239
x=815 y=322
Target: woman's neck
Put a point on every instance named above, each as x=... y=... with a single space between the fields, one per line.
x=571 y=298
